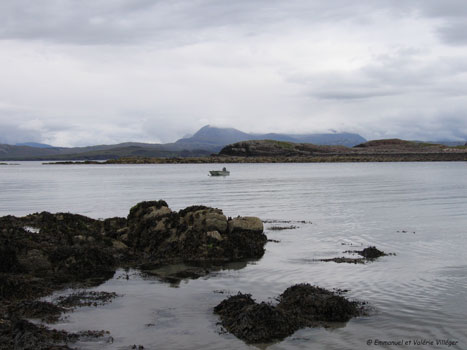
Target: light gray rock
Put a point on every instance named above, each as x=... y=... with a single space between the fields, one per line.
x=155 y=213
x=207 y=220
x=246 y=223
x=214 y=234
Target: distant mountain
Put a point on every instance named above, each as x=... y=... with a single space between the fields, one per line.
x=205 y=141
x=212 y=137
x=34 y=144
x=102 y=152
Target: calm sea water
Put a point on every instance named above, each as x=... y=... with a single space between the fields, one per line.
x=416 y=210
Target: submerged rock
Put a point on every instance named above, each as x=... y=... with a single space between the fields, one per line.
x=280 y=228
x=343 y=259
x=86 y=298
x=370 y=253
x=300 y=306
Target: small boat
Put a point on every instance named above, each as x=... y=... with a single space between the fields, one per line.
x=223 y=172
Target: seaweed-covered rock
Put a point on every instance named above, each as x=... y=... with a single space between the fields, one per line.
x=197 y=234
x=370 y=253
x=77 y=262
x=37 y=310
x=36 y=261
x=22 y=334
x=8 y=259
x=149 y=224
x=201 y=218
x=23 y=286
x=310 y=304
x=86 y=298
x=255 y=323
x=43 y=252
x=233 y=306
x=301 y=305
x=69 y=247
x=114 y=227
x=147 y=210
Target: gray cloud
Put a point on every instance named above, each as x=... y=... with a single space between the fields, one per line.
x=454 y=33
x=403 y=72
x=12 y=134
x=443 y=9
x=107 y=71
x=127 y=22
x=453 y=16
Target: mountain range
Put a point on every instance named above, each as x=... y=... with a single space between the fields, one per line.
x=216 y=138
x=204 y=142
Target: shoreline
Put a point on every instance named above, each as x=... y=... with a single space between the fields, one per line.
x=328 y=158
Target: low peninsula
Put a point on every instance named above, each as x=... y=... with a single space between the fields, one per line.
x=271 y=151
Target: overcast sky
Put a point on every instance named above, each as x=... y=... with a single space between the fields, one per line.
x=91 y=72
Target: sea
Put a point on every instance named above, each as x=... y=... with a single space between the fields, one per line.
x=416 y=297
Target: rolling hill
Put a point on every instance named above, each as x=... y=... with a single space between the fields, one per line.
x=205 y=141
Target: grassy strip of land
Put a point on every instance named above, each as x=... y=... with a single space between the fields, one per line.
x=322 y=158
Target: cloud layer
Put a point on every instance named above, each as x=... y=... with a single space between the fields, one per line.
x=90 y=72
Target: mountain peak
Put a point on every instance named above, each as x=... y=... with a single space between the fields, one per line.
x=219 y=137
x=216 y=136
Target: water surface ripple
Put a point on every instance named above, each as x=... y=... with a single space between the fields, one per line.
x=416 y=210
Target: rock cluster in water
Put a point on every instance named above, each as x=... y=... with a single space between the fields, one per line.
x=194 y=234
x=43 y=252
x=300 y=306
x=368 y=254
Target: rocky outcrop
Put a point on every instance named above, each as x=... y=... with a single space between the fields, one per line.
x=300 y=306
x=271 y=148
x=372 y=151
x=69 y=247
x=195 y=234
x=43 y=252
x=253 y=322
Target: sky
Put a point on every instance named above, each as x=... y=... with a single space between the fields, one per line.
x=88 y=72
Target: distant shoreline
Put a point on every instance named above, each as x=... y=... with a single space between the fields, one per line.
x=328 y=158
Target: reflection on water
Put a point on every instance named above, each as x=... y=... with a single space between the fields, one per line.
x=174 y=274
x=416 y=210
